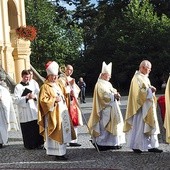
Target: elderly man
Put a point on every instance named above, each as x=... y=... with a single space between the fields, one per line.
x=54 y=120
x=167 y=113
x=71 y=96
x=106 y=122
x=141 y=124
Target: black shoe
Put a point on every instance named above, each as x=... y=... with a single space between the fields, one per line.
x=74 y=144
x=116 y=147
x=156 y=150
x=84 y=102
x=137 y=151
x=61 y=158
x=101 y=148
x=1 y=146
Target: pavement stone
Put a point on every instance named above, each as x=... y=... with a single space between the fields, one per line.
x=14 y=156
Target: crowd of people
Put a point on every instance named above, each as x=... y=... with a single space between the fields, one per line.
x=49 y=116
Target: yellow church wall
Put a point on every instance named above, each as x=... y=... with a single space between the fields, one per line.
x=14 y=52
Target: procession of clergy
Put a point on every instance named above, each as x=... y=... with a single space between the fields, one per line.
x=49 y=116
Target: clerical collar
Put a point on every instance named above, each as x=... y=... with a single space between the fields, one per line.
x=144 y=75
x=24 y=84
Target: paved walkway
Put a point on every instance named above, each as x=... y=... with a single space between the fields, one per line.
x=14 y=156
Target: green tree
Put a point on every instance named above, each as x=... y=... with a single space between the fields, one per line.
x=122 y=31
x=161 y=7
x=145 y=36
x=57 y=40
x=84 y=16
x=138 y=34
x=105 y=39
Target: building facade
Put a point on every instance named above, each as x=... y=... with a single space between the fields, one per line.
x=14 y=52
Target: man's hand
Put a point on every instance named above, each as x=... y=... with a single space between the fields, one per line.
x=153 y=89
x=72 y=82
x=30 y=96
x=117 y=96
x=58 y=99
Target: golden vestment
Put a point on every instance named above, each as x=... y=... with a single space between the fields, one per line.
x=101 y=101
x=46 y=101
x=137 y=97
x=167 y=112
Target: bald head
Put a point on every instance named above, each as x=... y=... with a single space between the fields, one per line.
x=69 y=70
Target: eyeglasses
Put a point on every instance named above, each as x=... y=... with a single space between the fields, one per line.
x=149 y=68
x=70 y=69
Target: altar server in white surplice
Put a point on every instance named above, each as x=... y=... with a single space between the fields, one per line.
x=25 y=97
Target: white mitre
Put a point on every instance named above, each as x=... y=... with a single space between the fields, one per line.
x=52 y=68
x=107 y=68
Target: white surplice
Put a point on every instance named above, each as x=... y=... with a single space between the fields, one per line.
x=27 y=111
x=8 y=118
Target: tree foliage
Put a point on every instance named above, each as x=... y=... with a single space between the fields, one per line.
x=138 y=34
x=161 y=7
x=123 y=32
x=146 y=37
x=57 y=39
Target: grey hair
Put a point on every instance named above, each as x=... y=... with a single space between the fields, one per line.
x=145 y=63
